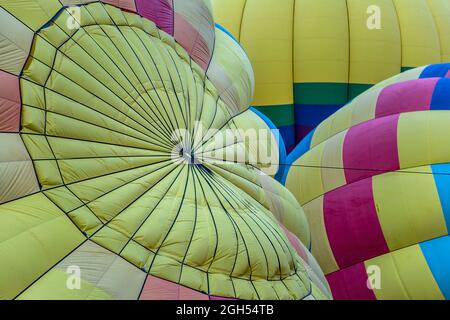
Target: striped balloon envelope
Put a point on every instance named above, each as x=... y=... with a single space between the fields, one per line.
x=111 y=185
x=374 y=181
x=311 y=57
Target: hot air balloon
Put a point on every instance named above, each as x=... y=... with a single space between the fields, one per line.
x=311 y=57
x=108 y=184
x=374 y=182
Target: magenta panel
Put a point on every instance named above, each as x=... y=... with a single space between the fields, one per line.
x=351 y=284
x=408 y=96
x=352 y=224
x=371 y=149
x=159 y=11
x=10 y=103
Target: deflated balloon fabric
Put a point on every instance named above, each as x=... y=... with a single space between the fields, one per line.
x=111 y=182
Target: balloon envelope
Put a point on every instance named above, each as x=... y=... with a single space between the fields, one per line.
x=373 y=180
x=311 y=57
x=109 y=187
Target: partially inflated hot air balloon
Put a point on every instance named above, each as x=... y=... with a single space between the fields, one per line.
x=311 y=57
x=374 y=181
x=106 y=175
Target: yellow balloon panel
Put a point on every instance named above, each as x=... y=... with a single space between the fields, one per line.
x=420 y=38
x=270 y=25
x=321 y=41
